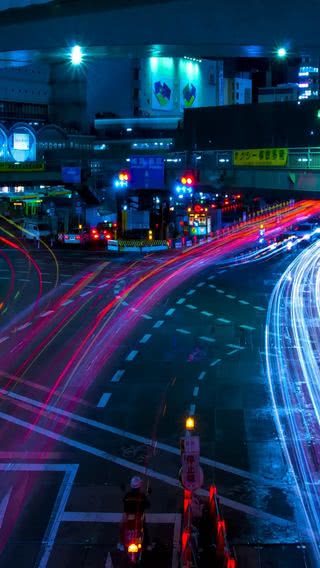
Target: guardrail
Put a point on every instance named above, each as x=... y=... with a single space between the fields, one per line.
x=143 y=245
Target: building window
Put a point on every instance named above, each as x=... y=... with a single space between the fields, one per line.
x=237 y=96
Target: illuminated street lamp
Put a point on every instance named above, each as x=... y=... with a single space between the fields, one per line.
x=281 y=52
x=76 y=55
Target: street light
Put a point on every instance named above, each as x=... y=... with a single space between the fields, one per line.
x=281 y=52
x=76 y=55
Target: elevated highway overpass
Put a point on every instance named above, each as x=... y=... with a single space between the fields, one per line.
x=140 y=28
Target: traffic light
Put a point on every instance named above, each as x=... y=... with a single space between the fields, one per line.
x=187 y=179
x=150 y=234
x=122 y=179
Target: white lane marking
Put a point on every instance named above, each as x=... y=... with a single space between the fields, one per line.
x=191 y=307
x=132 y=355
x=136 y=438
x=85 y=293
x=109 y=563
x=117 y=376
x=202 y=375
x=23 y=326
x=67 y=302
x=180 y=301
x=212 y=286
x=2 y=339
x=104 y=400
x=209 y=339
x=146 y=316
x=208 y=314
x=230 y=296
x=244 y=302
x=220 y=291
x=233 y=351
x=145 y=338
x=195 y=391
x=222 y=271
x=66 y=275
x=249 y=327
x=200 y=284
x=211 y=277
x=103 y=285
x=125 y=303
x=223 y=320
x=158 y=323
x=67 y=283
x=45 y=314
x=170 y=312
x=183 y=331
x=4 y=505
x=190 y=292
x=26 y=280
x=131 y=309
x=260 y=308
x=215 y=362
x=234 y=346
x=192 y=409
x=47 y=282
x=98 y=517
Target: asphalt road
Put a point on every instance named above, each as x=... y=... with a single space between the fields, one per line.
x=98 y=374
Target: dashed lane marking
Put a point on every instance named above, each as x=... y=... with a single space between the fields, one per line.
x=183 y=331
x=146 y=316
x=233 y=351
x=208 y=339
x=260 y=308
x=212 y=286
x=23 y=326
x=215 y=362
x=85 y=293
x=220 y=291
x=145 y=338
x=192 y=409
x=132 y=355
x=45 y=314
x=117 y=376
x=234 y=346
x=170 y=312
x=181 y=301
x=2 y=339
x=208 y=314
x=104 y=400
x=249 y=327
x=202 y=375
x=222 y=271
x=47 y=282
x=190 y=292
x=195 y=391
x=244 y=302
x=223 y=320
x=211 y=277
x=24 y=279
x=66 y=275
x=158 y=324
x=230 y=296
x=67 y=302
x=200 y=284
x=191 y=307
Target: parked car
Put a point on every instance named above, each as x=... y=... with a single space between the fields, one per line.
x=35 y=230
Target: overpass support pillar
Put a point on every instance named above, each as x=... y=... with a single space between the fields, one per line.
x=68 y=97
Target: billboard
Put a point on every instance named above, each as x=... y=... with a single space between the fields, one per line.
x=71 y=174
x=21 y=141
x=261 y=157
x=190 y=81
x=162 y=83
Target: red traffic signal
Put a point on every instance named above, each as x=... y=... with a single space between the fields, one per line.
x=187 y=179
x=124 y=175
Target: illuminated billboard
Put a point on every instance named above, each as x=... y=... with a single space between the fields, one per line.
x=21 y=141
x=162 y=82
x=21 y=144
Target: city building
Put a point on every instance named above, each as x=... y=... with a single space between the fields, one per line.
x=237 y=91
x=308 y=82
x=280 y=93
